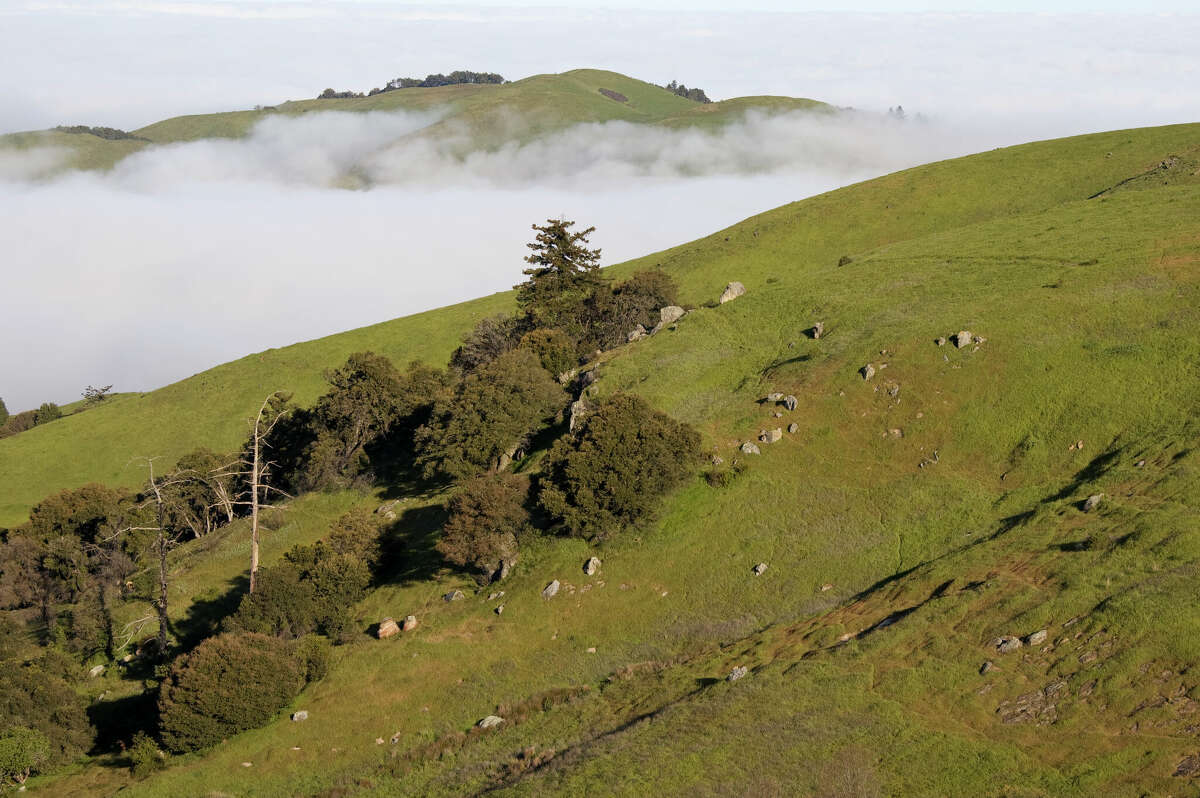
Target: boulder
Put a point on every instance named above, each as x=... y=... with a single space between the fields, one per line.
x=579 y=411
x=867 y=371
x=790 y=402
x=1037 y=638
x=732 y=291
x=670 y=314
x=940 y=341
x=302 y=715
x=962 y=338
x=793 y=428
x=774 y=398
x=750 y=448
x=986 y=668
x=818 y=330
x=410 y=623
x=388 y=510
x=1006 y=644
x=490 y=722
x=591 y=566
x=737 y=673
x=636 y=334
x=1092 y=502
x=454 y=595
x=506 y=564
x=96 y=671
x=760 y=569
x=387 y=628
x=771 y=435
x=550 y=590
x=499 y=609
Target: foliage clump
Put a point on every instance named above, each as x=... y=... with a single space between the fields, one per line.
x=36 y=696
x=227 y=684
x=23 y=752
x=615 y=471
x=487 y=519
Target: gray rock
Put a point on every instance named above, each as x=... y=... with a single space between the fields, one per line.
x=737 y=673
x=591 y=566
x=760 y=569
x=774 y=397
x=410 y=623
x=978 y=339
x=962 y=338
x=454 y=595
x=499 y=609
x=1037 y=638
x=387 y=628
x=490 y=722
x=732 y=292
x=506 y=565
x=818 y=330
x=1092 y=502
x=986 y=668
x=1139 y=464
x=750 y=448
x=1006 y=644
x=793 y=428
x=550 y=590
x=302 y=715
x=771 y=435
x=96 y=671
x=867 y=371
x=579 y=411
x=636 y=334
x=388 y=510
x=670 y=314
x=940 y=342
x=790 y=402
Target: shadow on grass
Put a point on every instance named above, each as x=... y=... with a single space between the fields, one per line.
x=1097 y=468
x=408 y=554
x=116 y=722
x=204 y=617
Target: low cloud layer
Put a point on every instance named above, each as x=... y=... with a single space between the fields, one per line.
x=192 y=254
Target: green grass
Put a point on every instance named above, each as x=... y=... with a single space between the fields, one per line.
x=1091 y=311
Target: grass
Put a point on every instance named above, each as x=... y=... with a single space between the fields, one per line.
x=1091 y=311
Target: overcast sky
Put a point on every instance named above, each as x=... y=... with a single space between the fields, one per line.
x=112 y=279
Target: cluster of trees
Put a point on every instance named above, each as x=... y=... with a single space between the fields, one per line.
x=458 y=76
x=48 y=411
x=108 y=133
x=696 y=95
x=504 y=393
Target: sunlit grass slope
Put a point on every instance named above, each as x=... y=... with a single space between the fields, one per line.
x=909 y=521
x=491 y=114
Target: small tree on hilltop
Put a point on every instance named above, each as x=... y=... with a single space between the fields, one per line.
x=3 y=413
x=487 y=520
x=93 y=395
x=46 y=413
x=562 y=273
x=614 y=473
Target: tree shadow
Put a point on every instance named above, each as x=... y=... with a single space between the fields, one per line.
x=116 y=721
x=1097 y=468
x=204 y=617
x=408 y=554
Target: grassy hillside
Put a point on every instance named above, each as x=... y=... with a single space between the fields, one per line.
x=911 y=519
x=492 y=113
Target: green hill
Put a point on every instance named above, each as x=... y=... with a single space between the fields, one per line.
x=910 y=521
x=491 y=113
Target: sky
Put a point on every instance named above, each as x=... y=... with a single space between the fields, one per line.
x=187 y=257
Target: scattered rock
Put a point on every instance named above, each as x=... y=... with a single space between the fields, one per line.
x=388 y=509
x=378 y=741
x=499 y=609
x=817 y=330
x=503 y=571
x=732 y=291
x=95 y=671
x=1036 y=707
x=591 y=566
x=777 y=414
x=1006 y=644
x=636 y=334
x=247 y=764
x=579 y=411
x=592 y=650
x=940 y=341
x=1188 y=768
x=760 y=569
x=867 y=371
x=410 y=623
x=896 y=433
x=774 y=397
x=717 y=460
x=986 y=668
x=490 y=722
x=302 y=715
x=962 y=338
x=454 y=595
x=1037 y=638
x=128 y=658
x=978 y=339
x=670 y=314
x=496 y=595
x=771 y=435
x=1139 y=464
x=550 y=590
x=750 y=448
x=826 y=587
x=790 y=402
x=1092 y=502
x=793 y=428
x=737 y=673
x=387 y=628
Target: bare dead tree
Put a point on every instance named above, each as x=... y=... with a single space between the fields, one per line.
x=164 y=541
x=257 y=467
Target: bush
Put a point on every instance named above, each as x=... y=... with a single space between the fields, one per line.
x=144 y=756
x=228 y=684
x=314 y=654
x=487 y=520
x=18 y=423
x=491 y=338
x=614 y=472
x=554 y=349
x=491 y=413
x=23 y=752
x=36 y=696
x=3 y=413
x=46 y=413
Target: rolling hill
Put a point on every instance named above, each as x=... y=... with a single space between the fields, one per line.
x=912 y=521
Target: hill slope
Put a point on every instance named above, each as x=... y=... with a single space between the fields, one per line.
x=911 y=520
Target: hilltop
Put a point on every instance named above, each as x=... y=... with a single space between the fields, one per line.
x=490 y=113
x=912 y=523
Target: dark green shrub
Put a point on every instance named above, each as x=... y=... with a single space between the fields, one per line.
x=46 y=413
x=229 y=683
x=36 y=696
x=23 y=752
x=313 y=653
x=615 y=471
x=487 y=518
x=144 y=756
x=3 y=413
x=491 y=338
x=554 y=349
